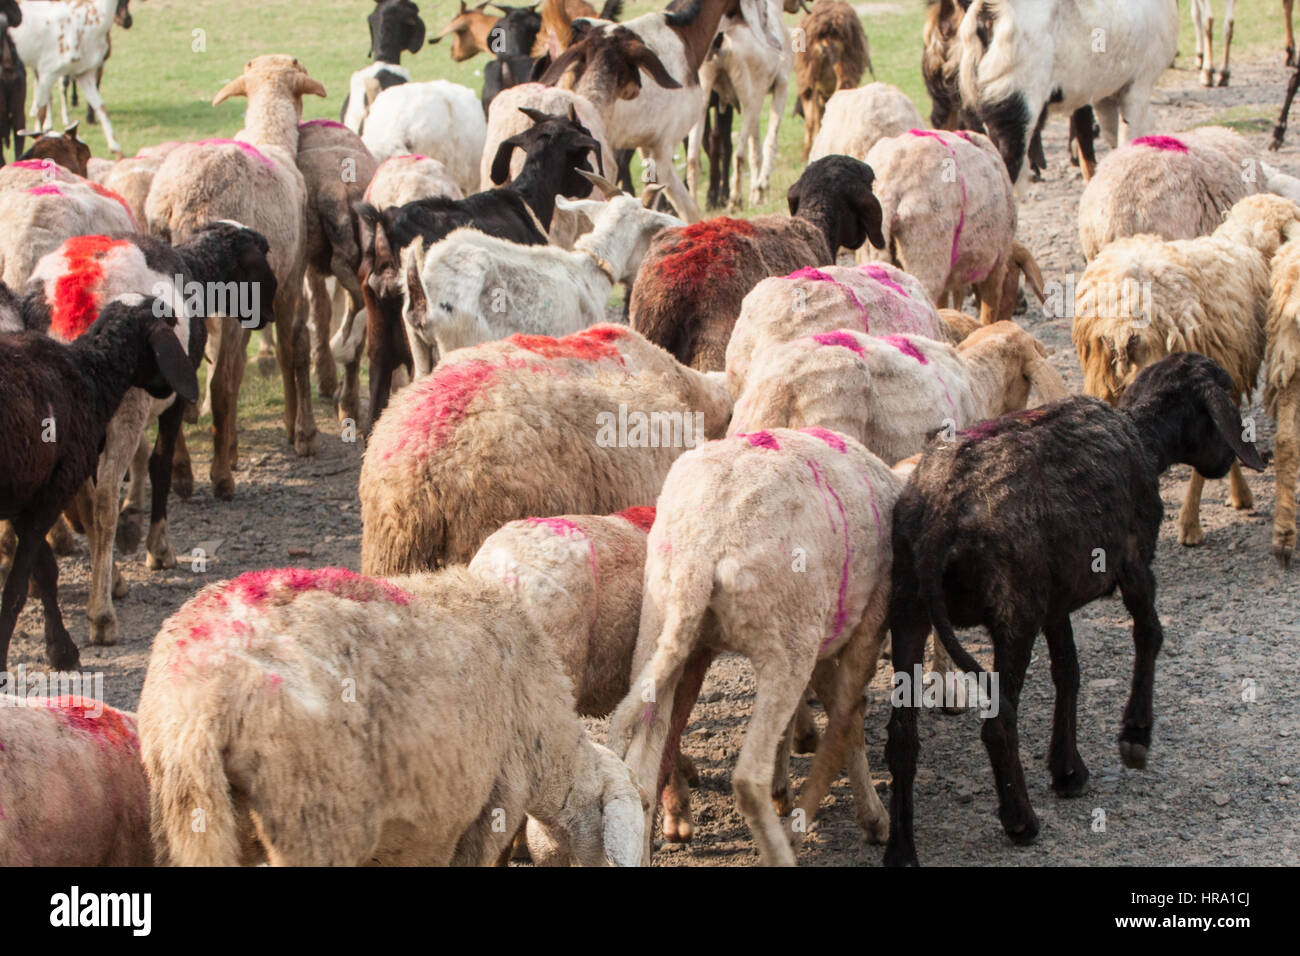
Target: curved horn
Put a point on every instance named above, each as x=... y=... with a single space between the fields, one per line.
x=600 y=182
x=234 y=88
x=651 y=193
x=537 y=116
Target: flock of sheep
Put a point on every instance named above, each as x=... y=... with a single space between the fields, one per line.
x=776 y=455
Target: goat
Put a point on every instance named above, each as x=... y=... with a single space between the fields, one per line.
x=70 y=392
x=1003 y=528
x=395 y=26
x=62 y=148
x=511 y=41
x=832 y=56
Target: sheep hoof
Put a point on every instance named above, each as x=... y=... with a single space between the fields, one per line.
x=1207 y=78
x=304 y=446
x=782 y=803
x=183 y=480
x=1191 y=537
x=1025 y=833
x=160 y=560
x=63 y=654
x=806 y=743
x=678 y=829
x=1283 y=549
x=103 y=632
x=223 y=488
x=130 y=526
x=1133 y=754
x=1223 y=78
x=1072 y=784
x=876 y=830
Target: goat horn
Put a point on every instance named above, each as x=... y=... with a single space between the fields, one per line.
x=604 y=185
x=651 y=193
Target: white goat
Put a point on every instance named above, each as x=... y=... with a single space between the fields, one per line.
x=471 y=287
x=1061 y=53
x=439 y=119
x=751 y=60
x=67 y=39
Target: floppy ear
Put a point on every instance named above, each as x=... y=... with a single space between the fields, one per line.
x=234 y=88
x=792 y=198
x=622 y=813
x=872 y=217
x=646 y=59
x=1045 y=380
x=501 y=162
x=537 y=116
x=172 y=361
x=308 y=85
x=1228 y=421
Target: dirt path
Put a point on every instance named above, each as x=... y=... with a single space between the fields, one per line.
x=1221 y=785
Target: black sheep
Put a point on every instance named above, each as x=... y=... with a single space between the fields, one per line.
x=55 y=403
x=1026 y=518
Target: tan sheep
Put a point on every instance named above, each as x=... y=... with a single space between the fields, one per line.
x=1175 y=187
x=39 y=213
x=441 y=467
x=775 y=545
x=317 y=717
x=252 y=179
x=876 y=298
x=402 y=179
x=73 y=791
x=949 y=214
x=1282 y=392
x=1143 y=298
x=856 y=119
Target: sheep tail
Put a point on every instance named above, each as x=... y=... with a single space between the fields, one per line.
x=1024 y=261
x=192 y=811
x=930 y=579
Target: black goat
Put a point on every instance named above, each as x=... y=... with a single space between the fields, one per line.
x=55 y=402
x=556 y=148
x=511 y=43
x=395 y=28
x=1026 y=518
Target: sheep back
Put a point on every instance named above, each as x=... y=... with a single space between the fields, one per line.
x=855 y=120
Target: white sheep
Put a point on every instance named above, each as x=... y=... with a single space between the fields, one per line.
x=855 y=120
x=73 y=791
x=1143 y=298
x=776 y=545
x=438 y=118
x=473 y=287
x=876 y=298
x=317 y=717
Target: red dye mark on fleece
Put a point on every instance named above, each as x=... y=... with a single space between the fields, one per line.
x=47 y=189
x=107 y=726
x=845 y=340
x=77 y=290
x=1161 y=142
x=588 y=345
x=328 y=123
x=905 y=345
x=642 y=516
x=706 y=252
x=816 y=275
x=249 y=149
x=994 y=426
x=961 y=220
x=834 y=439
x=109 y=194
x=257 y=587
x=879 y=274
x=761 y=440
x=841 y=612
x=447 y=396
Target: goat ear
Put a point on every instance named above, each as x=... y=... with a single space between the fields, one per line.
x=1045 y=380
x=1227 y=419
x=872 y=217
x=235 y=87
x=307 y=84
x=792 y=198
x=646 y=59
x=71 y=131
x=173 y=363
x=537 y=116
x=500 y=171
x=622 y=812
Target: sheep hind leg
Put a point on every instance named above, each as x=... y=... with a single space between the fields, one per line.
x=226 y=344
x=60 y=650
x=1069 y=774
x=1012 y=642
x=1239 y=493
x=1286 y=460
x=293 y=352
x=990 y=293
x=158 y=548
x=318 y=309
x=908 y=626
x=678 y=825
x=1137 y=586
x=130 y=522
x=1190 y=532
x=762 y=182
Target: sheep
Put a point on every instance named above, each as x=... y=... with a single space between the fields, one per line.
x=506 y=118
x=1022 y=57
x=253 y=179
x=132 y=178
x=556 y=148
x=653 y=118
x=749 y=62
x=719 y=577
x=892 y=393
x=1282 y=391
x=438 y=118
x=13 y=82
x=855 y=120
x=949 y=214
x=72 y=788
x=1004 y=526
x=67 y=39
x=831 y=57
x=471 y=287
x=337 y=168
x=73 y=389
x=688 y=293
x=66 y=291
x=1176 y=187
x=395 y=26
x=418 y=512
x=876 y=298
x=1142 y=298
x=243 y=693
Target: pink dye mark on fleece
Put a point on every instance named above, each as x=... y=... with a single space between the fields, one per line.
x=816 y=275
x=834 y=439
x=327 y=123
x=904 y=345
x=841 y=612
x=37 y=164
x=994 y=426
x=844 y=340
x=275 y=680
x=880 y=274
x=249 y=149
x=1161 y=142
x=961 y=219
x=282 y=585
x=47 y=189
x=761 y=440
x=569 y=529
